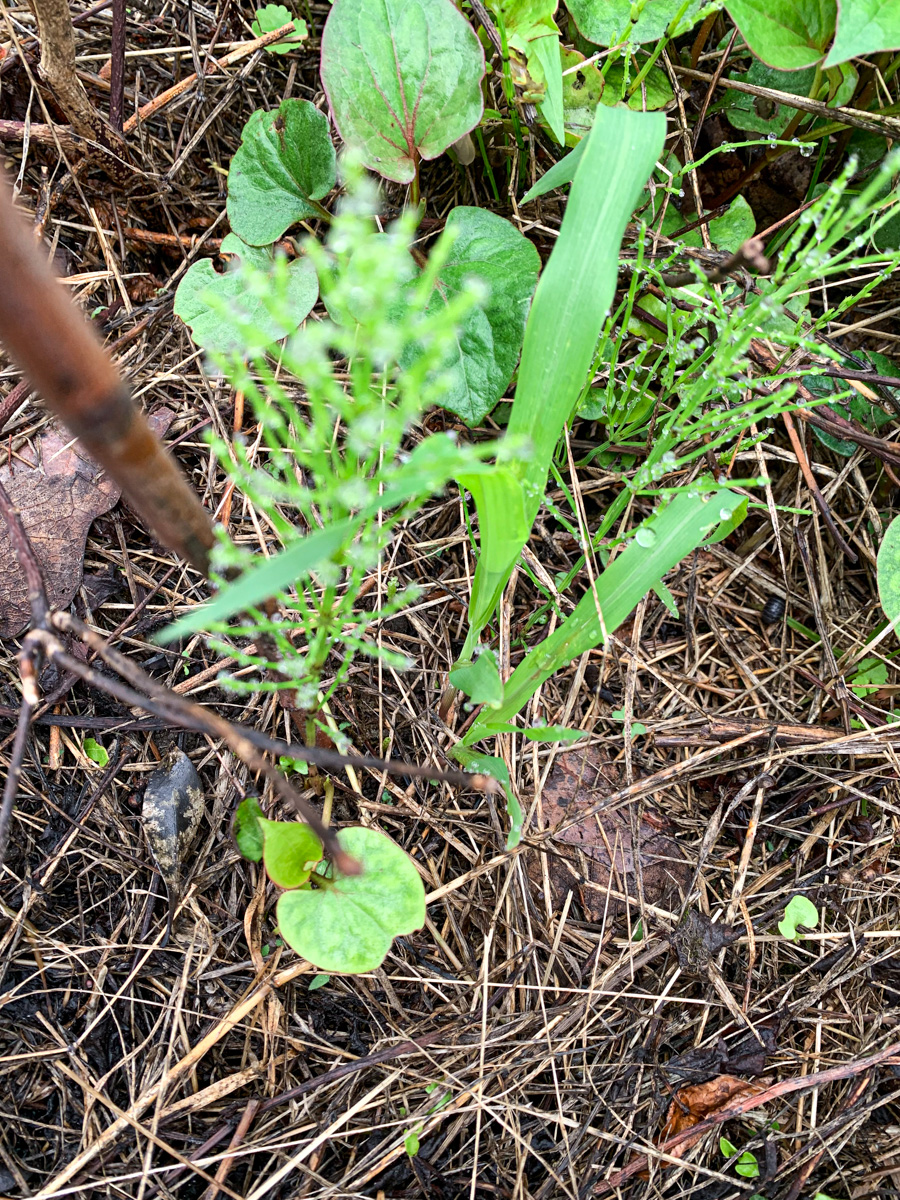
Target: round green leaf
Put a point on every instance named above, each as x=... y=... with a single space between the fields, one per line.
x=290 y=852
x=888 y=567
x=216 y=332
x=248 y=829
x=608 y=22
x=798 y=911
x=403 y=78
x=486 y=350
x=348 y=924
x=285 y=161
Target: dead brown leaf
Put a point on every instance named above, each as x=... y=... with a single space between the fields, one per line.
x=600 y=848
x=59 y=491
x=694 y=1103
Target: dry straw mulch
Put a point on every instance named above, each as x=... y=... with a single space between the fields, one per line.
x=533 y=1035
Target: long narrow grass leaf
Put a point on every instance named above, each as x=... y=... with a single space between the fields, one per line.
x=676 y=531
x=572 y=300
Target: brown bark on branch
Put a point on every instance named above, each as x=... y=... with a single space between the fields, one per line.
x=57 y=69
x=49 y=339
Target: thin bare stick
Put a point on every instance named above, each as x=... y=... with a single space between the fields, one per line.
x=175 y=704
x=731 y=1111
x=192 y=716
x=750 y=254
x=182 y=86
x=12 y=775
x=117 y=67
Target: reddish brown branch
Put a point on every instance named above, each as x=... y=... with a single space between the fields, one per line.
x=813 y=486
x=117 y=67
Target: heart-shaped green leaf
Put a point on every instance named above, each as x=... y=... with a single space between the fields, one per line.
x=865 y=27
x=403 y=78
x=212 y=329
x=799 y=910
x=349 y=922
x=484 y=355
x=284 y=164
x=290 y=852
x=787 y=34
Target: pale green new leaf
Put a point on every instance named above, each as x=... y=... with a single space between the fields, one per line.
x=349 y=924
x=215 y=330
x=273 y=16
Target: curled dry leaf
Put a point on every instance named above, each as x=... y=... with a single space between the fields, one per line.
x=597 y=852
x=59 y=492
x=694 y=1103
x=171 y=812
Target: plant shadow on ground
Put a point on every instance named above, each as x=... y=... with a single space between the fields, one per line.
x=532 y=992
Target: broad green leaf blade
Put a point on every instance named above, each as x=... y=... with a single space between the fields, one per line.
x=496 y=768
x=290 y=852
x=888 y=566
x=403 y=78
x=271 y=17
x=654 y=92
x=608 y=22
x=864 y=27
x=285 y=162
x=570 y=304
x=212 y=329
x=479 y=680
x=727 y=232
x=678 y=530
x=433 y=462
x=559 y=175
x=484 y=355
x=349 y=923
x=248 y=827
x=787 y=34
